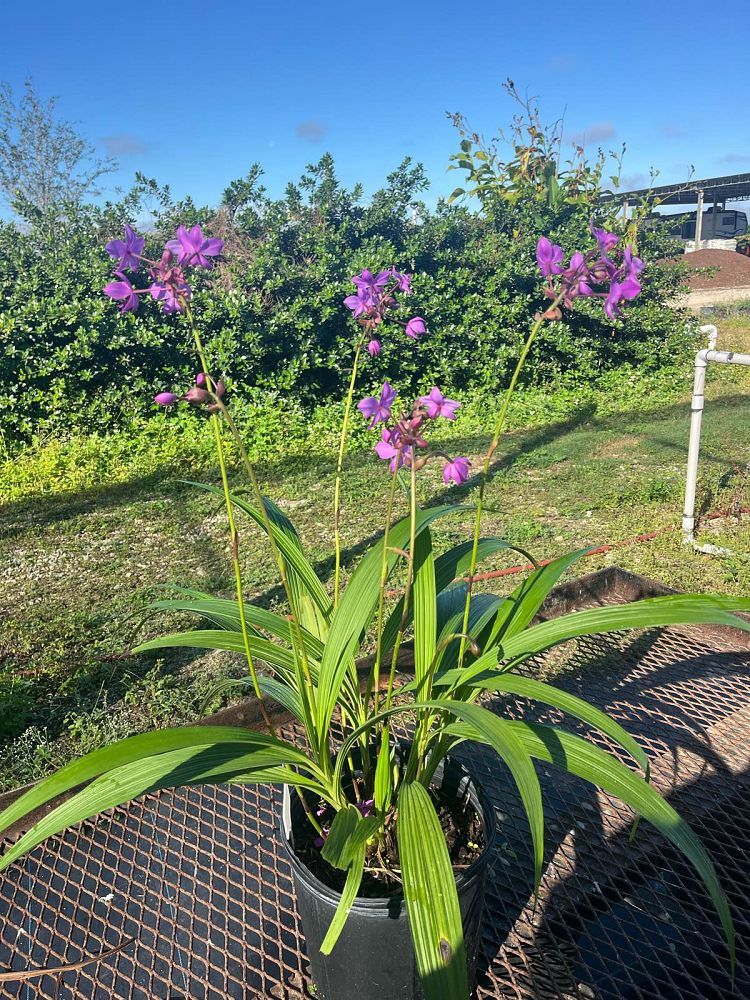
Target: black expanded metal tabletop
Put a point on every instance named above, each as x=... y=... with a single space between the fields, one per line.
x=195 y=876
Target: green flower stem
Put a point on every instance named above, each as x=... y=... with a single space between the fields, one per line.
x=216 y=425
x=373 y=681
x=297 y=638
x=340 y=466
x=499 y=428
x=409 y=581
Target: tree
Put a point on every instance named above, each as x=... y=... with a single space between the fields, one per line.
x=45 y=164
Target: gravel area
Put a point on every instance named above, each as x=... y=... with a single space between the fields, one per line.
x=733 y=269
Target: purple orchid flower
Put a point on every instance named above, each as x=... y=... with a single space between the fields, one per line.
x=619 y=293
x=438 y=405
x=128 y=251
x=548 y=257
x=607 y=241
x=377 y=409
x=387 y=449
x=122 y=291
x=172 y=296
x=415 y=327
x=361 y=303
x=403 y=281
x=457 y=470
x=576 y=278
x=632 y=265
x=193 y=249
x=366 y=807
x=166 y=398
x=372 y=283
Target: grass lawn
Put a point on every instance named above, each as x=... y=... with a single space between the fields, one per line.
x=593 y=468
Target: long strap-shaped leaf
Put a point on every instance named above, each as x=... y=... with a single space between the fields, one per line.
x=129 y=751
x=287 y=540
x=526 y=687
x=188 y=765
x=524 y=603
x=578 y=756
x=263 y=649
x=448 y=566
x=223 y=611
x=431 y=897
x=425 y=607
x=357 y=608
x=680 y=609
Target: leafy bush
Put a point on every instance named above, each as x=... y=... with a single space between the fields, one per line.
x=68 y=360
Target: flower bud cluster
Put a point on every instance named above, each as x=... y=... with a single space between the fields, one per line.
x=206 y=393
x=402 y=441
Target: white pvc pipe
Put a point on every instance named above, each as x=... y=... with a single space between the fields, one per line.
x=702 y=358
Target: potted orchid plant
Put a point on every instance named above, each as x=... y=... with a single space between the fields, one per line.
x=373 y=824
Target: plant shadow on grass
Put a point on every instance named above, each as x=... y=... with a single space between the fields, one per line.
x=163 y=484
x=626 y=919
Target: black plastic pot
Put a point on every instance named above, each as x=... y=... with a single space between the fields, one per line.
x=373 y=958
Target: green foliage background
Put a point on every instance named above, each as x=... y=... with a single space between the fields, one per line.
x=273 y=312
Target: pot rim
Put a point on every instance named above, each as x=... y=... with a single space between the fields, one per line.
x=466 y=878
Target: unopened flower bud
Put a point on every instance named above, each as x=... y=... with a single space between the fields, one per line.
x=200 y=380
x=219 y=389
x=415 y=327
x=196 y=395
x=373 y=348
x=166 y=398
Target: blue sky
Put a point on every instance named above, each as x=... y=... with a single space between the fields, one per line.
x=193 y=93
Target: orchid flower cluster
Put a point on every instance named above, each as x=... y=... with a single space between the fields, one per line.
x=402 y=435
x=376 y=297
x=596 y=268
x=169 y=286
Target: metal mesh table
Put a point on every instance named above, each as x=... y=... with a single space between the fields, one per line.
x=195 y=874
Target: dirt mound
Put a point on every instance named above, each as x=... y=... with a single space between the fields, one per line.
x=733 y=269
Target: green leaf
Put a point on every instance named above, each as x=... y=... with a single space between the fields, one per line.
x=335 y=850
x=225 y=613
x=577 y=707
x=425 y=610
x=205 y=762
x=680 y=609
x=129 y=751
x=577 y=756
x=288 y=543
x=448 y=566
x=431 y=897
x=524 y=603
x=263 y=649
x=384 y=774
x=348 y=895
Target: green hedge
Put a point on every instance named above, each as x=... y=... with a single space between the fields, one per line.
x=273 y=313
